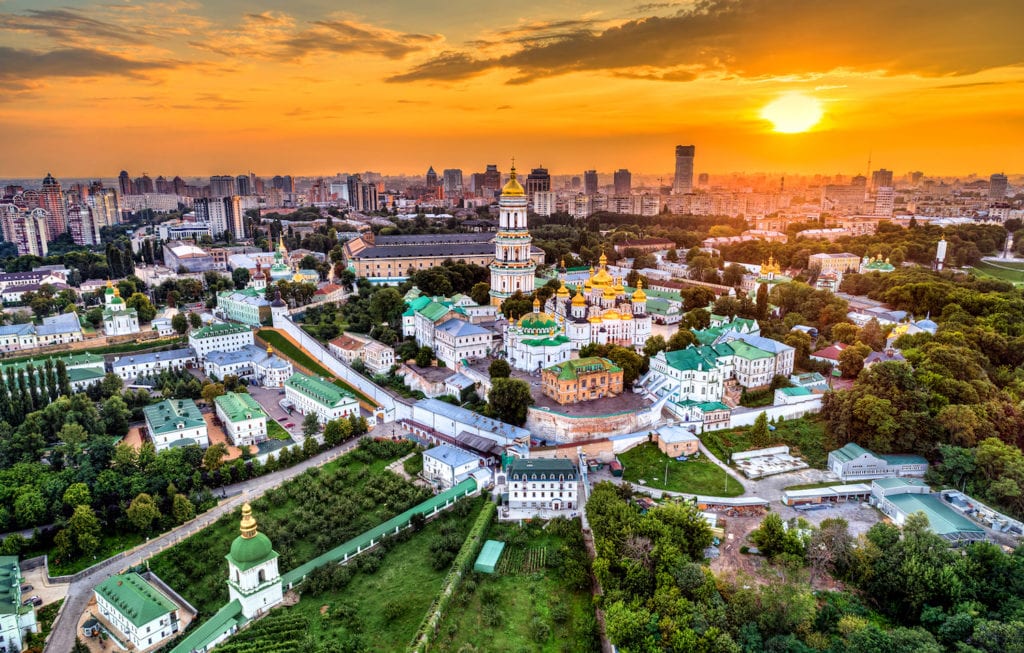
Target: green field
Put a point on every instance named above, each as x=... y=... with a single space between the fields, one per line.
x=805 y=437
x=1005 y=271
x=531 y=604
x=285 y=347
x=275 y=431
x=695 y=476
x=307 y=516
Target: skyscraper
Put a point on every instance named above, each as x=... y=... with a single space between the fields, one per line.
x=492 y=180
x=285 y=183
x=145 y=185
x=178 y=184
x=432 y=179
x=684 y=169
x=243 y=185
x=590 y=182
x=623 y=182
x=452 y=182
x=124 y=183
x=51 y=199
x=880 y=178
x=997 y=185
x=222 y=185
x=538 y=180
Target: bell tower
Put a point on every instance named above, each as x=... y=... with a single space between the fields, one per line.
x=512 y=270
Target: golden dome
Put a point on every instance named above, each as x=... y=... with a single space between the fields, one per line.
x=562 y=291
x=587 y=285
x=627 y=316
x=117 y=292
x=578 y=300
x=603 y=261
x=536 y=304
x=611 y=314
x=619 y=288
x=602 y=278
x=513 y=188
x=298 y=278
x=609 y=293
x=595 y=320
x=639 y=295
x=248 y=526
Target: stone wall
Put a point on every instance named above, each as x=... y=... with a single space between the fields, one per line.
x=560 y=428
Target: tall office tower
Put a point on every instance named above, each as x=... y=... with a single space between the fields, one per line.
x=590 y=182
x=105 y=210
x=243 y=185
x=124 y=183
x=574 y=183
x=683 y=182
x=492 y=178
x=146 y=185
x=178 y=186
x=235 y=217
x=476 y=183
x=362 y=196
x=997 y=185
x=432 y=183
x=80 y=224
x=258 y=186
x=277 y=182
x=452 y=182
x=537 y=181
x=880 y=178
x=51 y=199
x=513 y=269
x=885 y=199
x=623 y=182
x=915 y=177
x=222 y=185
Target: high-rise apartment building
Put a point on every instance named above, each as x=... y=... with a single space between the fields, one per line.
x=590 y=182
x=703 y=179
x=80 y=225
x=284 y=183
x=26 y=229
x=683 y=182
x=575 y=183
x=997 y=185
x=880 y=178
x=222 y=185
x=492 y=179
x=144 y=185
x=243 y=185
x=362 y=196
x=623 y=182
x=884 y=201
x=545 y=202
x=124 y=183
x=163 y=186
x=105 y=209
x=452 y=182
x=432 y=183
x=178 y=186
x=51 y=199
x=537 y=181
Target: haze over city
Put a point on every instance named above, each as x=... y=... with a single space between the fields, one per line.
x=796 y=86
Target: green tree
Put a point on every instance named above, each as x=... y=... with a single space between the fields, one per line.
x=84 y=529
x=653 y=345
x=851 y=359
x=425 y=356
x=182 y=508
x=509 y=399
x=310 y=425
x=63 y=383
x=145 y=308
x=762 y=301
x=386 y=305
x=770 y=536
x=77 y=494
x=760 y=437
x=116 y=415
x=213 y=458
x=499 y=369
x=143 y=512
x=180 y=323
x=240 y=276
x=333 y=434
x=681 y=339
x=211 y=391
x=194 y=320
x=480 y=293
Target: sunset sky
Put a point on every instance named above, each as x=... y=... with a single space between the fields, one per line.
x=311 y=86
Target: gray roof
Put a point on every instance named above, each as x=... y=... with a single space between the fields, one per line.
x=762 y=343
x=138 y=359
x=247 y=354
x=450 y=455
x=63 y=323
x=459 y=328
x=675 y=434
x=16 y=329
x=432 y=239
x=505 y=433
x=460 y=381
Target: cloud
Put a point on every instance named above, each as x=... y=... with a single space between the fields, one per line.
x=17 y=64
x=68 y=26
x=764 y=38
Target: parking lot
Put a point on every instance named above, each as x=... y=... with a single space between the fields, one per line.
x=270 y=399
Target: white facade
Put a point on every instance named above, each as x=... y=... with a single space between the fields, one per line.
x=512 y=270
x=220 y=337
x=456 y=340
x=547 y=485
x=118 y=319
x=325 y=400
x=447 y=465
x=144 y=635
x=131 y=367
x=244 y=424
x=378 y=357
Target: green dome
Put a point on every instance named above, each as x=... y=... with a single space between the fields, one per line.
x=248 y=550
x=538 y=321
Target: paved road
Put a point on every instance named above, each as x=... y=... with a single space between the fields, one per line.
x=80 y=591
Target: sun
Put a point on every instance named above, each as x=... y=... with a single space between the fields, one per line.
x=793 y=113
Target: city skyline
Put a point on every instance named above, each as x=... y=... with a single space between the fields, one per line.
x=172 y=86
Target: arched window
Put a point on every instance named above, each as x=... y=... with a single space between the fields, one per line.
x=263 y=575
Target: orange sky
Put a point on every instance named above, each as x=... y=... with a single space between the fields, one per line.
x=308 y=87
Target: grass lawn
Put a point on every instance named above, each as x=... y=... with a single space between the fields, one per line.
x=384 y=609
x=525 y=606
x=805 y=437
x=695 y=476
x=148 y=345
x=275 y=431
x=1006 y=271
x=284 y=346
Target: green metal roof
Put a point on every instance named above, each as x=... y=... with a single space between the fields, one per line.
x=223 y=621
x=892 y=483
x=74 y=360
x=693 y=359
x=747 y=351
x=546 y=342
x=942 y=519
x=710 y=406
x=418 y=303
x=571 y=369
x=318 y=389
x=849 y=451
x=10 y=585
x=795 y=392
x=214 y=330
x=173 y=415
x=80 y=374
x=247 y=552
x=135 y=598
x=239 y=406
x=903 y=459
x=434 y=311
x=349 y=548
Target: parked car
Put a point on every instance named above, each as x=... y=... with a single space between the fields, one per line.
x=289 y=425
x=27 y=588
x=33 y=600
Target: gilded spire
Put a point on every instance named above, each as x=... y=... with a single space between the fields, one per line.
x=248 y=522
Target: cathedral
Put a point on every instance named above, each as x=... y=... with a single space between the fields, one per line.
x=602 y=312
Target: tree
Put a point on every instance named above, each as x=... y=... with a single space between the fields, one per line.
x=845 y=333
x=194 y=320
x=240 y=276
x=143 y=511
x=851 y=359
x=509 y=399
x=499 y=369
x=425 y=356
x=672 y=255
x=213 y=458
x=83 y=530
x=333 y=434
x=653 y=345
x=145 y=308
x=77 y=494
x=211 y=391
x=760 y=437
x=762 y=301
x=681 y=339
x=182 y=508
x=480 y=293
x=310 y=425
x=116 y=415
x=180 y=323
x=386 y=305
x=770 y=537
x=630 y=362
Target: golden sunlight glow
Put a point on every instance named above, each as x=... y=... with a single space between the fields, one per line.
x=793 y=113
